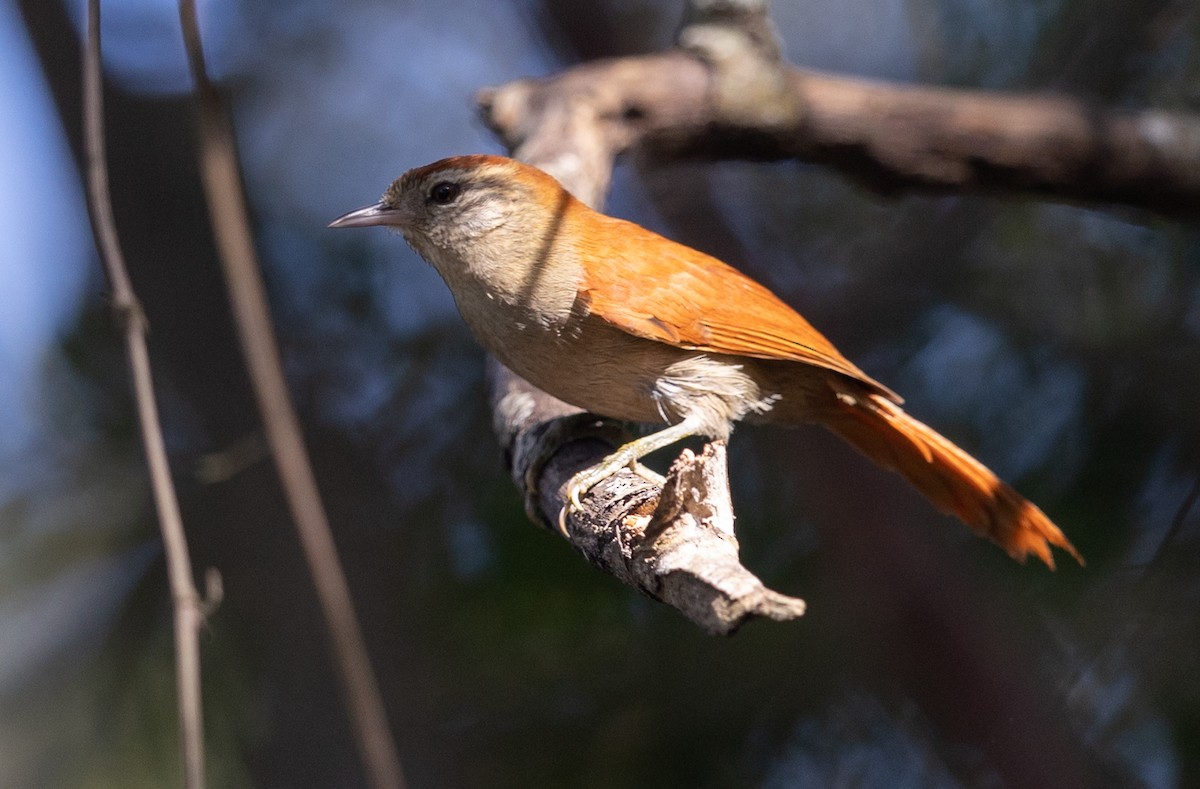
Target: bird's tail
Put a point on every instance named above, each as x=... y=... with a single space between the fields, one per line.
x=955 y=482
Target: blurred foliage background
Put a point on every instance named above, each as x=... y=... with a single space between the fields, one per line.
x=1059 y=343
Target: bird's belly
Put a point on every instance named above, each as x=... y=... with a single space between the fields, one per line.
x=590 y=365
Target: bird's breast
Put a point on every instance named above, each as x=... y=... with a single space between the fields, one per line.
x=578 y=359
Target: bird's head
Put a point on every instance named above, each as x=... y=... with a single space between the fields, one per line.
x=451 y=204
x=492 y=227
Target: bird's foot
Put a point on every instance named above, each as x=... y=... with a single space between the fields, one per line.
x=625 y=457
x=589 y=478
x=549 y=438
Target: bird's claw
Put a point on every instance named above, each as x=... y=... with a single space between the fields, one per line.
x=577 y=485
x=648 y=474
x=589 y=478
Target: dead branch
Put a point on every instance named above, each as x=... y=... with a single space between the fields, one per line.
x=188 y=607
x=725 y=92
x=676 y=545
x=226 y=201
x=722 y=93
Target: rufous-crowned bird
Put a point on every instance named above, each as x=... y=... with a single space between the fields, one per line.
x=622 y=322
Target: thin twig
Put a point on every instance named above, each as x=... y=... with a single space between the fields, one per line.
x=226 y=202
x=1177 y=522
x=189 y=609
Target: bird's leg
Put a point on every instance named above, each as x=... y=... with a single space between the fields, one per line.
x=626 y=456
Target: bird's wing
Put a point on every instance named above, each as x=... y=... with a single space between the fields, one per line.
x=677 y=295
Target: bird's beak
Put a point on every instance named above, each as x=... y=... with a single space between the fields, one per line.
x=377 y=214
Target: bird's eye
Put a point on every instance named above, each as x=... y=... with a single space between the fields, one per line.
x=444 y=192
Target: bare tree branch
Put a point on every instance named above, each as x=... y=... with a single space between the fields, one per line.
x=723 y=93
x=226 y=201
x=677 y=546
x=1177 y=522
x=189 y=609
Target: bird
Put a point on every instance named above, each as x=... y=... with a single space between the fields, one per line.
x=627 y=324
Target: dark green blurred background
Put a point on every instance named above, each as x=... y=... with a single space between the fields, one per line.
x=1058 y=343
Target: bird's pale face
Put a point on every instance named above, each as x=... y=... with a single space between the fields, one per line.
x=446 y=207
x=492 y=227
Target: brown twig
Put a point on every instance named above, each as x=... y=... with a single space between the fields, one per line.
x=226 y=200
x=1177 y=522
x=189 y=609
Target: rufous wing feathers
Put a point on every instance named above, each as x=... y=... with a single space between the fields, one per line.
x=690 y=300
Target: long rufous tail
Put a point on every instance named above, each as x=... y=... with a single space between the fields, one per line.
x=955 y=482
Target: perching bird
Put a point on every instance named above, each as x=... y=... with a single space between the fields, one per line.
x=622 y=322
